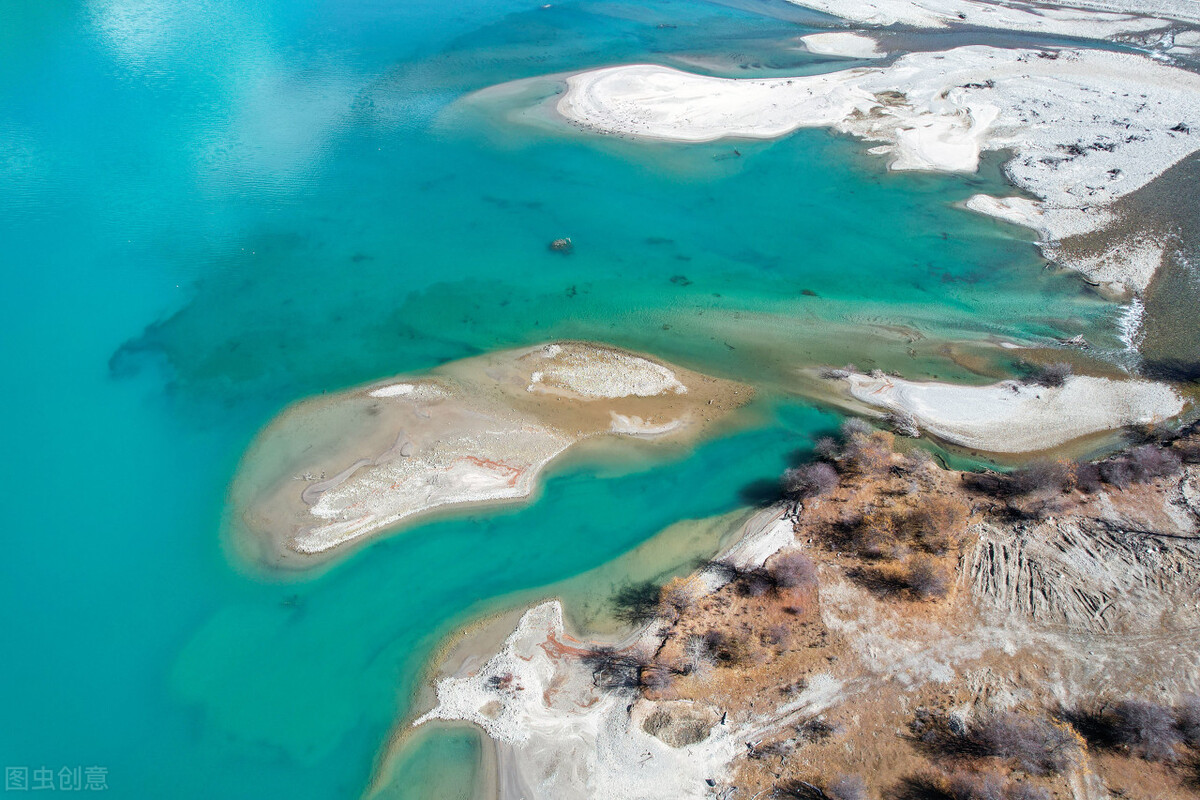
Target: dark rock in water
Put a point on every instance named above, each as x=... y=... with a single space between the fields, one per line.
x=564 y=246
x=809 y=293
x=680 y=280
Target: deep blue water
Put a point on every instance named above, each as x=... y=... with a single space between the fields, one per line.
x=210 y=209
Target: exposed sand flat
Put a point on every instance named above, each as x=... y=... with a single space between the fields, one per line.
x=1086 y=127
x=842 y=43
x=1013 y=418
x=560 y=737
x=1083 y=18
x=333 y=470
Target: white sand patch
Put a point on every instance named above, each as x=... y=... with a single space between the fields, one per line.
x=842 y=43
x=477 y=466
x=1013 y=418
x=394 y=390
x=633 y=425
x=1086 y=126
x=594 y=373
x=567 y=739
x=1082 y=18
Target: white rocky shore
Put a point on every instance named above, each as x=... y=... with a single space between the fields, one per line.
x=1010 y=417
x=1085 y=127
x=560 y=737
x=1092 y=19
x=337 y=469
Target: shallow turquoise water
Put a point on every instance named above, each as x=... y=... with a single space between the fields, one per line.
x=210 y=210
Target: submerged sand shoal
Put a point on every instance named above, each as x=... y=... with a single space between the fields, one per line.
x=338 y=469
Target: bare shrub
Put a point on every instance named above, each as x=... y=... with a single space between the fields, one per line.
x=937 y=524
x=810 y=480
x=616 y=669
x=1187 y=719
x=1088 y=478
x=1037 y=745
x=827 y=448
x=925 y=786
x=1142 y=463
x=925 y=578
x=1025 y=791
x=1147 y=729
x=1188 y=449
x=1151 y=461
x=1140 y=727
x=793 y=570
x=903 y=424
x=1055 y=374
x=976 y=786
x=1117 y=472
x=915 y=461
x=777 y=634
x=847 y=787
x=1048 y=476
x=817 y=729
x=726 y=649
x=854 y=426
x=874 y=535
x=837 y=373
x=676 y=597
x=869 y=455
x=993 y=484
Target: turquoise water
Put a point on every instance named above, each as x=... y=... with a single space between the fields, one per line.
x=211 y=209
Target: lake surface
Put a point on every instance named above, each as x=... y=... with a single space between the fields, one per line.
x=213 y=209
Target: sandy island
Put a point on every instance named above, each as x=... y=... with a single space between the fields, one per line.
x=337 y=469
x=1011 y=417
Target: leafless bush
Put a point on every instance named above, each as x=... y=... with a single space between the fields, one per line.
x=676 y=597
x=925 y=578
x=1051 y=374
x=976 y=786
x=872 y=536
x=915 y=461
x=777 y=749
x=616 y=669
x=1151 y=461
x=1037 y=745
x=777 y=634
x=1142 y=463
x=810 y=480
x=937 y=524
x=725 y=648
x=817 y=729
x=869 y=455
x=1050 y=476
x=1087 y=477
x=827 y=448
x=847 y=787
x=854 y=426
x=1187 y=718
x=793 y=570
x=904 y=424
x=1140 y=727
x=926 y=786
x=837 y=373
x=1188 y=449
x=1034 y=744
x=1025 y=791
